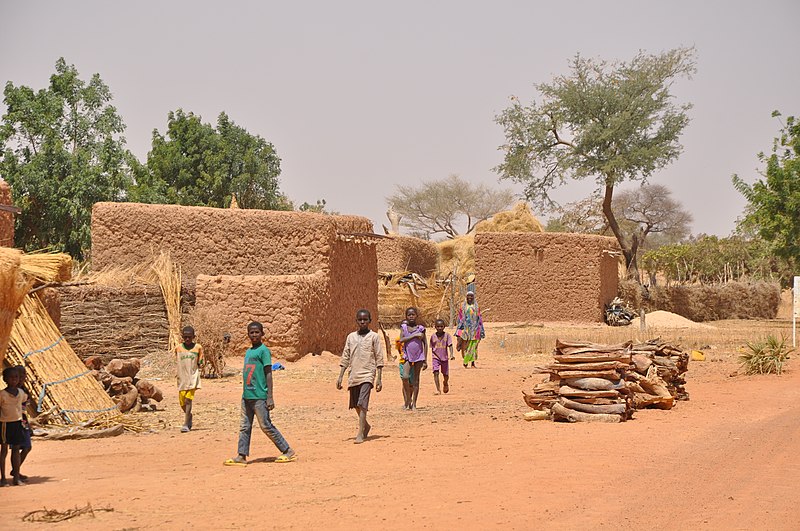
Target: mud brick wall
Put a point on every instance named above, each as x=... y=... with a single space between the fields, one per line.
x=401 y=253
x=289 y=306
x=545 y=276
x=352 y=286
x=6 y=218
x=215 y=241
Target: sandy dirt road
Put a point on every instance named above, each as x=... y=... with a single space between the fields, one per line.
x=727 y=459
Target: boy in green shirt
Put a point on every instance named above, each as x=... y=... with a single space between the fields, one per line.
x=257 y=399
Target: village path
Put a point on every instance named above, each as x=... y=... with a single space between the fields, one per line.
x=728 y=458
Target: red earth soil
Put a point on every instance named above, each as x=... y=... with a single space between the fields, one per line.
x=725 y=459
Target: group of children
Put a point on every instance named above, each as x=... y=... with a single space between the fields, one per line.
x=15 y=432
x=363 y=354
x=413 y=348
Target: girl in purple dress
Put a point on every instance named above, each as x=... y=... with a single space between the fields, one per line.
x=415 y=347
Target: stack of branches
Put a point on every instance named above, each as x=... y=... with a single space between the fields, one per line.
x=586 y=383
x=604 y=383
x=60 y=382
x=401 y=289
x=659 y=377
x=114 y=321
x=215 y=338
x=119 y=378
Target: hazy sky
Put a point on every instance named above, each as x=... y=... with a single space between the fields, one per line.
x=360 y=96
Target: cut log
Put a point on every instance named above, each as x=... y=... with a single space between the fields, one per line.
x=536 y=415
x=126 y=401
x=562 y=413
x=94 y=362
x=122 y=368
x=550 y=386
x=590 y=357
x=149 y=391
x=572 y=392
x=120 y=386
x=611 y=409
x=643 y=400
x=589 y=366
x=641 y=362
x=594 y=384
x=599 y=400
x=572 y=347
x=608 y=375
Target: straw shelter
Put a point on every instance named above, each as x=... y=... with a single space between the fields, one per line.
x=61 y=383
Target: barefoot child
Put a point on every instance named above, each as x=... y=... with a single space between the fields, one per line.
x=26 y=446
x=11 y=431
x=404 y=377
x=363 y=354
x=190 y=358
x=412 y=336
x=441 y=346
x=257 y=399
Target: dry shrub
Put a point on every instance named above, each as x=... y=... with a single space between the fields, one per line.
x=766 y=355
x=214 y=337
x=700 y=302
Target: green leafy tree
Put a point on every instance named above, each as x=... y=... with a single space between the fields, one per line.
x=195 y=163
x=612 y=122
x=62 y=151
x=773 y=209
x=450 y=206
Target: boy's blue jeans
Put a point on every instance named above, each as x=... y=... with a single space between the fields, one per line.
x=258 y=408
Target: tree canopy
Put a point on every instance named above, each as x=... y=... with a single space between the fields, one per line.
x=450 y=206
x=610 y=121
x=194 y=163
x=62 y=151
x=773 y=209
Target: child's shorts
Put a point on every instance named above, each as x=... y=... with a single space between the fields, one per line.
x=12 y=433
x=439 y=365
x=407 y=372
x=183 y=396
x=359 y=395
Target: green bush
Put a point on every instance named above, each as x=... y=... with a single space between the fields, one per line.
x=765 y=356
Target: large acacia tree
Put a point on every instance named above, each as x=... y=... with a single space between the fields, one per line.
x=450 y=206
x=609 y=121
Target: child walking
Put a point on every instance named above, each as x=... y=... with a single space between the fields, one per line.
x=190 y=358
x=363 y=354
x=257 y=400
x=11 y=430
x=402 y=364
x=413 y=338
x=441 y=354
x=26 y=446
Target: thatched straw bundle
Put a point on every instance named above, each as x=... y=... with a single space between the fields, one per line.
x=56 y=376
x=13 y=288
x=518 y=219
x=112 y=277
x=457 y=255
x=46 y=266
x=169 y=278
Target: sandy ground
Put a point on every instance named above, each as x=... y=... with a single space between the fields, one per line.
x=725 y=459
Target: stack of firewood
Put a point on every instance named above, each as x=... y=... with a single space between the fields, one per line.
x=604 y=383
x=660 y=374
x=119 y=380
